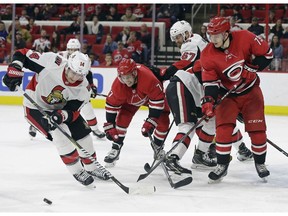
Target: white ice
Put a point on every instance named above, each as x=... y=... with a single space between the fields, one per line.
x=31 y=170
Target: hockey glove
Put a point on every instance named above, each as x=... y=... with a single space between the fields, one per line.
x=148 y=127
x=249 y=72
x=111 y=132
x=13 y=77
x=94 y=91
x=207 y=103
x=61 y=116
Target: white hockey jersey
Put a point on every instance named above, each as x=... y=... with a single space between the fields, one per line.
x=191 y=50
x=49 y=87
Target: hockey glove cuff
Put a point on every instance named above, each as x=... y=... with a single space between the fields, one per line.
x=207 y=103
x=13 y=77
x=110 y=131
x=93 y=91
x=249 y=72
x=148 y=127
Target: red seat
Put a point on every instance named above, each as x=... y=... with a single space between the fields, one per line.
x=260 y=14
x=279 y=14
x=19 y=10
x=49 y=29
x=60 y=27
x=35 y=36
x=135 y=28
x=97 y=48
x=116 y=29
x=229 y=12
x=285 y=18
x=166 y=20
x=247 y=15
x=106 y=29
x=284 y=42
x=90 y=38
x=68 y=37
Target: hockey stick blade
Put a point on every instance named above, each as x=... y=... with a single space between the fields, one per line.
x=183 y=182
x=147 y=167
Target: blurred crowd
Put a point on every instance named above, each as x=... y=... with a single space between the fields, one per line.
x=135 y=43
x=107 y=45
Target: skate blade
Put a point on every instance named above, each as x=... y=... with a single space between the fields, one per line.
x=211 y=181
x=202 y=167
x=264 y=179
x=91 y=186
x=110 y=165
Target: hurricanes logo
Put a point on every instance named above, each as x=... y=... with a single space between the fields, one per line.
x=55 y=97
x=234 y=71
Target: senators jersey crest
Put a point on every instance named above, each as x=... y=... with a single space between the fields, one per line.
x=55 y=97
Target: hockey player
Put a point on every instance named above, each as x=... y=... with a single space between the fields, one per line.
x=184 y=93
x=135 y=86
x=87 y=110
x=227 y=61
x=61 y=89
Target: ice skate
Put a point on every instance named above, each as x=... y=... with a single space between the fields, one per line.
x=159 y=152
x=99 y=134
x=218 y=174
x=262 y=171
x=112 y=157
x=84 y=178
x=244 y=154
x=32 y=131
x=172 y=164
x=203 y=160
x=100 y=174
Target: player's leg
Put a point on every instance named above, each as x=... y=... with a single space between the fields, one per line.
x=91 y=119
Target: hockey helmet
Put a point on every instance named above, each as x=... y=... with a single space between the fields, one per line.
x=180 y=27
x=218 y=25
x=126 y=66
x=73 y=43
x=79 y=63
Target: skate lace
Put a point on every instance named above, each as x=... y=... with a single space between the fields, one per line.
x=261 y=168
x=206 y=157
x=101 y=172
x=219 y=169
x=82 y=176
x=113 y=153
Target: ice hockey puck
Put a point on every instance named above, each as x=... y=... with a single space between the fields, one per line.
x=49 y=202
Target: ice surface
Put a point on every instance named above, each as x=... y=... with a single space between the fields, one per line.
x=32 y=170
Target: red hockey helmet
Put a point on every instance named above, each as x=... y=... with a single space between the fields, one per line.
x=218 y=25
x=126 y=66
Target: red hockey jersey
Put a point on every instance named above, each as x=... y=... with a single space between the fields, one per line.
x=148 y=91
x=223 y=68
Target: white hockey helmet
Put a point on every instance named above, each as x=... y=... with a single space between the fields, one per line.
x=73 y=43
x=79 y=63
x=180 y=27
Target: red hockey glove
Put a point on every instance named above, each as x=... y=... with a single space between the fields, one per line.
x=148 y=127
x=61 y=116
x=13 y=77
x=249 y=72
x=111 y=131
x=94 y=91
x=207 y=103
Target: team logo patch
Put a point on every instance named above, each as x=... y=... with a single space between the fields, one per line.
x=55 y=97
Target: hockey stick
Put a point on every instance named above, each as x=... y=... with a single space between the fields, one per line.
x=102 y=95
x=78 y=146
x=178 y=184
x=241 y=120
x=147 y=167
x=143 y=176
